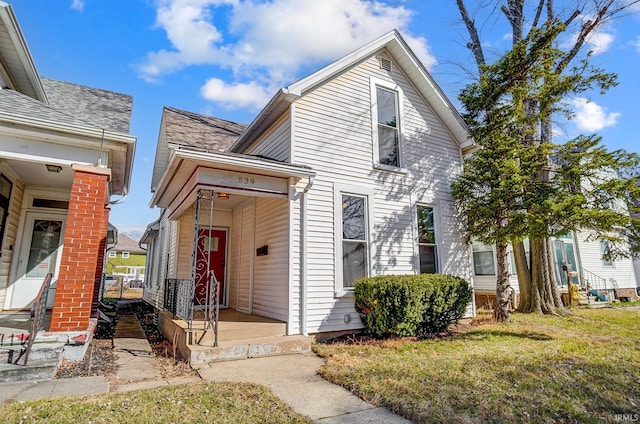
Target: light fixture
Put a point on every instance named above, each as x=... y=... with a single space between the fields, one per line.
x=223 y=196
x=54 y=168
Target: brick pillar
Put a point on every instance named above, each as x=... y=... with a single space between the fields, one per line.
x=85 y=232
x=100 y=265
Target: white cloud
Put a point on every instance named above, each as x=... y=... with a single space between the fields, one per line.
x=636 y=43
x=77 y=5
x=270 y=41
x=599 y=41
x=592 y=117
x=235 y=95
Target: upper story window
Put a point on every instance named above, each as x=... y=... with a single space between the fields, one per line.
x=386 y=112
x=388 y=133
x=112 y=254
x=427 y=247
x=125 y=255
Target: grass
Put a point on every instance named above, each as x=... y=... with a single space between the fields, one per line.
x=582 y=368
x=193 y=403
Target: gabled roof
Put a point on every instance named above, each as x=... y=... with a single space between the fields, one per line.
x=395 y=45
x=100 y=108
x=17 y=68
x=181 y=128
x=127 y=244
x=17 y=103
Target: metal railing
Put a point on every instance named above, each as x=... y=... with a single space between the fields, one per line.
x=592 y=280
x=38 y=313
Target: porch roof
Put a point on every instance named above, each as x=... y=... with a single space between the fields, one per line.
x=190 y=169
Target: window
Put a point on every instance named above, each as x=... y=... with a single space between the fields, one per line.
x=5 y=195
x=386 y=113
x=483 y=263
x=111 y=254
x=427 y=249
x=125 y=255
x=605 y=250
x=354 y=239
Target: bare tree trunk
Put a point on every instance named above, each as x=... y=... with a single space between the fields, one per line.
x=524 y=275
x=502 y=310
x=545 y=298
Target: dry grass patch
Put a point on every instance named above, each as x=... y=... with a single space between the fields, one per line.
x=193 y=403
x=581 y=368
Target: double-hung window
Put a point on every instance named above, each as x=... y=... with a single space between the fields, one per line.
x=125 y=255
x=483 y=262
x=112 y=254
x=386 y=112
x=605 y=250
x=427 y=247
x=388 y=132
x=354 y=239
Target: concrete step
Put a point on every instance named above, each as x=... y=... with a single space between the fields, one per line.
x=36 y=370
x=248 y=348
x=234 y=331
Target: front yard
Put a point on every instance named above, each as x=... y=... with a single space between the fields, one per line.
x=583 y=368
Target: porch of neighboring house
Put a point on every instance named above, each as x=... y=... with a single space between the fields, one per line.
x=231 y=299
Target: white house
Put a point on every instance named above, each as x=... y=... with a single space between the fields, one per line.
x=345 y=173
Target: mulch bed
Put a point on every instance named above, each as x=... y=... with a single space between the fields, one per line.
x=100 y=359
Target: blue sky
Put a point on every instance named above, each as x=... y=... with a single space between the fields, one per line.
x=227 y=58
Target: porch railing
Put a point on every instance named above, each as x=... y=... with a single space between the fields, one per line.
x=38 y=312
x=176 y=297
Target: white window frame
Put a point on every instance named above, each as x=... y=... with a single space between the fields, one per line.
x=438 y=235
x=610 y=263
x=111 y=254
x=125 y=255
x=481 y=247
x=391 y=86
x=367 y=193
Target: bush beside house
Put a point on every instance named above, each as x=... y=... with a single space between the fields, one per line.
x=411 y=305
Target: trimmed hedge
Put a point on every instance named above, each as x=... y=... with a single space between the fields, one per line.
x=410 y=305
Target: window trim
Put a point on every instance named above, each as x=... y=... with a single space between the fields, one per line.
x=358 y=191
x=391 y=86
x=125 y=255
x=437 y=224
x=111 y=254
x=608 y=264
x=485 y=248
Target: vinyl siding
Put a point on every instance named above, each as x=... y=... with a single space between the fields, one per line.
x=154 y=292
x=11 y=231
x=333 y=135
x=271 y=272
x=274 y=143
x=620 y=275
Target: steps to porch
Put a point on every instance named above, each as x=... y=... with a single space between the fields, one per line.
x=240 y=336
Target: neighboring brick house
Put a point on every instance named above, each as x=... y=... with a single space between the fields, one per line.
x=127 y=259
x=65 y=151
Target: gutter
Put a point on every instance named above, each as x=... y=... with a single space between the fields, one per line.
x=303 y=259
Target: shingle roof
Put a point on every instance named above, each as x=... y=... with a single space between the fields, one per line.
x=199 y=131
x=20 y=104
x=126 y=244
x=101 y=108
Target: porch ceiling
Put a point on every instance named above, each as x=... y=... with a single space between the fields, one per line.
x=237 y=174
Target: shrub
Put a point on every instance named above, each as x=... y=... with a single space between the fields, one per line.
x=410 y=305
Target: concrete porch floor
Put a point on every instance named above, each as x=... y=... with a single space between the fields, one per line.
x=240 y=336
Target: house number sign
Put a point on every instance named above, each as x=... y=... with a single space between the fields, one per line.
x=244 y=181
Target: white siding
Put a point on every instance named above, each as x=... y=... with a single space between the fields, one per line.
x=620 y=275
x=271 y=272
x=274 y=143
x=11 y=231
x=154 y=292
x=333 y=135
x=245 y=258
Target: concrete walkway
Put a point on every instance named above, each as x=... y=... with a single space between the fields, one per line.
x=292 y=378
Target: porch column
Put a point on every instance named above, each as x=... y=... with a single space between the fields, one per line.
x=85 y=233
x=100 y=263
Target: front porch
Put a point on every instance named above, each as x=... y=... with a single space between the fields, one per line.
x=240 y=336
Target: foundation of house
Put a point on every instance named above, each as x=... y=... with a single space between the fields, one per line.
x=240 y=336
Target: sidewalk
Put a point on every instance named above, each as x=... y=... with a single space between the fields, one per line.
x=292 y=378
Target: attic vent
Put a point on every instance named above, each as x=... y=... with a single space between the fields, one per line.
x=385 y=64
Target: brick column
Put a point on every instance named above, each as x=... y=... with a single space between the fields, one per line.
x=100 y=265
x=85 y=232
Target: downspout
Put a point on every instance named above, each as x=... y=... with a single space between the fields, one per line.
x=303 y=259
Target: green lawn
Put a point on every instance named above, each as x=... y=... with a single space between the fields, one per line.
x=194 y=403
x=583 y=368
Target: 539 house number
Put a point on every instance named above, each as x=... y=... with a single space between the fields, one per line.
x=246 y=180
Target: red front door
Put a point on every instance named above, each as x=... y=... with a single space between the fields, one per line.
x=211 y=256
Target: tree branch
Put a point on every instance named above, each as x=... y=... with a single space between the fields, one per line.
x=474 y=45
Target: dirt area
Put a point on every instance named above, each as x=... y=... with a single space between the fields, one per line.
x=100 y=359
